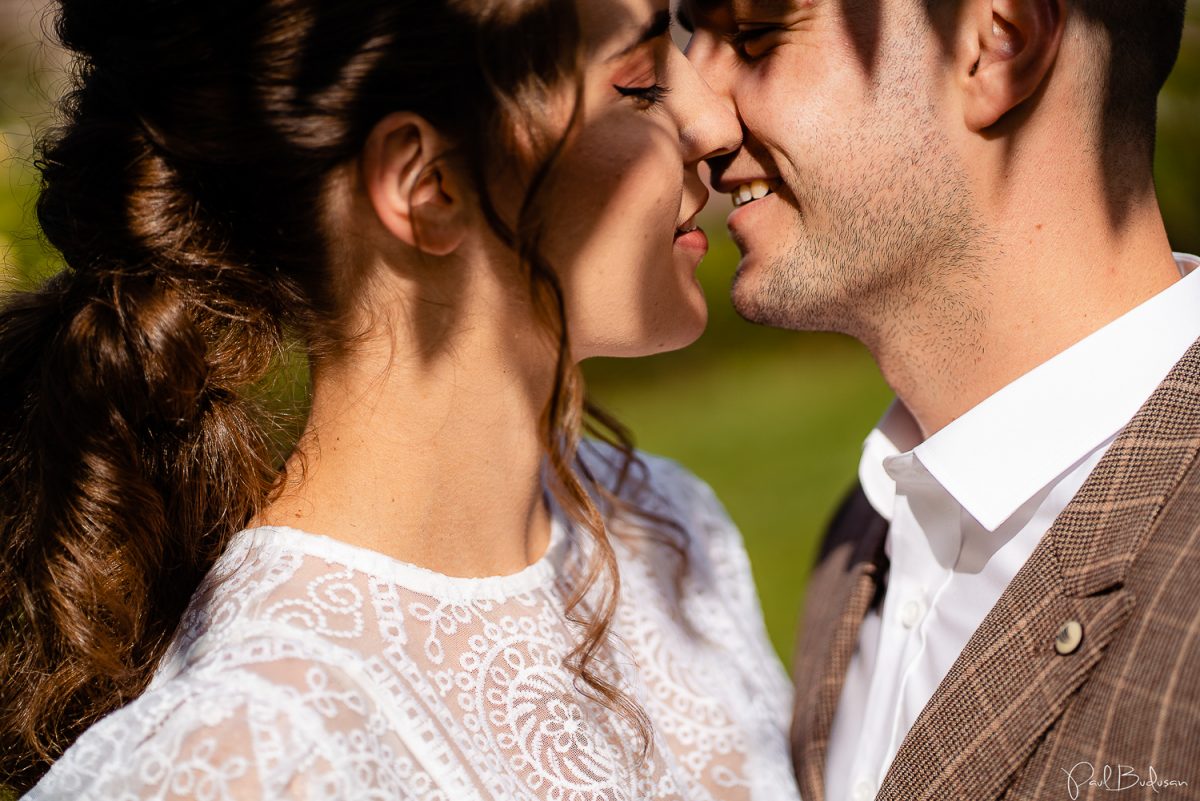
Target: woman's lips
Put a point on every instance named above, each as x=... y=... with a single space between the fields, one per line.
x=694 y=240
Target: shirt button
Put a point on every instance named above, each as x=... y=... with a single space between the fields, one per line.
x=864 y=790
x=911 y=612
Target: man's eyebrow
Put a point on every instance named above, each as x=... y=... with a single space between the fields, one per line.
x=684 y=17
x=659 y=26
x=739 y=8
x=775 y=7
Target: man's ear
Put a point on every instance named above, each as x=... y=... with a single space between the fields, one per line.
x=412 y=189
x=1010 y=47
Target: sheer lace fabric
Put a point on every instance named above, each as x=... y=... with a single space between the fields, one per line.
x=307 y=668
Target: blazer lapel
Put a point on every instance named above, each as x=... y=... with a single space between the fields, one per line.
x=840 y=592
x=1010 y=684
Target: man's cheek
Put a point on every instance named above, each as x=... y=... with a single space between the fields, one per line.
x=778 y=91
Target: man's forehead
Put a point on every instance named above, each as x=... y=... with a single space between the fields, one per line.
x=747 y=8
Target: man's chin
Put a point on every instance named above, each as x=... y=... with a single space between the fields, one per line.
x=749 y=297
x=764 y=298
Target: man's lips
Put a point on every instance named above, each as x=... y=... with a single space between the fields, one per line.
x=742 y=217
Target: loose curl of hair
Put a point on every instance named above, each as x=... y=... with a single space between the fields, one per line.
x=182 y=190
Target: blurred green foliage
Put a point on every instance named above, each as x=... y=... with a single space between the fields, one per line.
x=1177 y=166
x=30 y=80
x=773 y=420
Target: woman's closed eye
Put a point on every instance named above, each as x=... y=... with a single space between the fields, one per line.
x=645 y=97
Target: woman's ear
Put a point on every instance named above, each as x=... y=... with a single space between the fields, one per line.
x=412 y=189
x=1010 y=47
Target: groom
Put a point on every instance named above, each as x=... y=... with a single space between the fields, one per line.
x=1009 y=604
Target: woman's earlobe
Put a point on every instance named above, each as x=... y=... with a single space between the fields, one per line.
x=409 y=185
x=436 y=214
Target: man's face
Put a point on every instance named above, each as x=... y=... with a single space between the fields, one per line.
x=848 y=118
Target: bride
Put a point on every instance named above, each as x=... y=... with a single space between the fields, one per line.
x=442 y=590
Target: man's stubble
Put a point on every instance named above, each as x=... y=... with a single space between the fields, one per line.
x=887 y=253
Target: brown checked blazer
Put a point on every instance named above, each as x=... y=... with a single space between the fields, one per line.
x=1014 y=718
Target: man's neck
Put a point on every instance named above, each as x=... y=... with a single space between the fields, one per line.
x=1052 y=279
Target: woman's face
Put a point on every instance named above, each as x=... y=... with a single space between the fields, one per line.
x=623 y=200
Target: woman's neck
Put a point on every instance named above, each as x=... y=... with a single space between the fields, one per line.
x=432 y=457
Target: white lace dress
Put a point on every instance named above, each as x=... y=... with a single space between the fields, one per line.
x=307 y=668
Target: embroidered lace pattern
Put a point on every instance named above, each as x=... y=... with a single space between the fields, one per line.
x=307 y=668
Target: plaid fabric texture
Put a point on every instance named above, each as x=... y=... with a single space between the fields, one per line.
x=1014 y=719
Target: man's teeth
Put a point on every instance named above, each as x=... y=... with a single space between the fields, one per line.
x=751 y=191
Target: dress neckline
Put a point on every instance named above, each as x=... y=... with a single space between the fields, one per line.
x=270 y=540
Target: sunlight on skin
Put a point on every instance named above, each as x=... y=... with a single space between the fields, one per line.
x=916 y=189
x=429 y=437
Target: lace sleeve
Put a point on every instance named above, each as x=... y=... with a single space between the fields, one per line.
x=285 y=729
x=715 y=544
x=720 y=565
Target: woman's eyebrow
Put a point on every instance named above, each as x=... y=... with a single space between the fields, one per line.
x=659 y=26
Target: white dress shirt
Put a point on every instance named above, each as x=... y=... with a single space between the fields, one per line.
x=968 y=506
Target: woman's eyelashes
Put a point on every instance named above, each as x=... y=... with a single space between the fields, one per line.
x=644 y=96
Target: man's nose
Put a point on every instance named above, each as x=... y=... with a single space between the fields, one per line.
x=705 y=52
x=713 y=132
x=719 y=120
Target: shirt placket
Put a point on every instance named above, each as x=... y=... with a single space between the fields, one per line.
x=924 y=538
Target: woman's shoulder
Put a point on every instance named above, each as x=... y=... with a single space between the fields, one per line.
x=660 y=487
x=659 y=501
x=265 y=591
x=270 y=719
x=714 y=583
x=637 y=476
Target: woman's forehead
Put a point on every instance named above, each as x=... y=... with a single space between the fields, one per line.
x=612 y=26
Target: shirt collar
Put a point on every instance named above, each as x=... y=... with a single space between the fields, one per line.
x=1002 y=452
